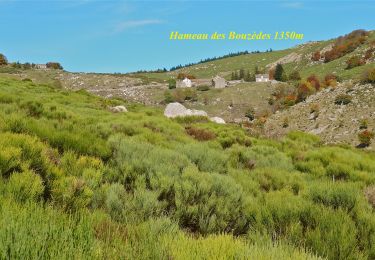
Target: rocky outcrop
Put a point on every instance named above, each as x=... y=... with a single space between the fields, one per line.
x=291 y=57
x=321 y=115
x=176 y=109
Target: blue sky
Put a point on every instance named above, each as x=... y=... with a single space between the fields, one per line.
x=123 y=36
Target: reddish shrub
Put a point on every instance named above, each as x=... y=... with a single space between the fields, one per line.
x=330 y=80
x=200 y=134
x=314 y=81
x=365 y=137
x=304 y=90
x=290 y=100
x=354 y=61
x=345 y=44
x=316 y=56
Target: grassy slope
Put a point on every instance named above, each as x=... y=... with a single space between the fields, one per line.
x=130 y=185
x=241 y=98
x=227 y=65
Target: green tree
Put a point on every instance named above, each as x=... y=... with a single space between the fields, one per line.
x=54 y=65
x=295 y=75
x=247 y=76
x=280 y=73
x=3 y=60
x=242 y=74
x=171 y=83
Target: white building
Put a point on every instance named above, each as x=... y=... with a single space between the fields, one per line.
x=185 y=83
x=262 y=78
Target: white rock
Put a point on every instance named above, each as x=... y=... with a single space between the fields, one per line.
x=118 y=109
x=174 y=110
x=217 y=120
x=194 y=112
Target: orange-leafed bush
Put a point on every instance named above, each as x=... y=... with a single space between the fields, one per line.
x=316 y=56
x=330 y=80
x=314 y=81
x=304 y=90
x=354 y=61
x=290 y=100
x=345 y=44
x=365 y=137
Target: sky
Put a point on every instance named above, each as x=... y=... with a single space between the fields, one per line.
x=124 y=36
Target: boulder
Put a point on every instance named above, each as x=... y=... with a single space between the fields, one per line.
x=194 y=112
x=118 y=109
x=217 y=120
x=174 y=110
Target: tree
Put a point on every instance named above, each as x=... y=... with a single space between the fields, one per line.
x=256 y=70
x=247 y=76
x=242 y=74
x=54 y=65
x=171 y=83
x=3 y=60
x=280 y=73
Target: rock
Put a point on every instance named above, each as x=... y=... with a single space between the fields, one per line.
x=118 y=109
x=217 y=120
x=194 y=112
x=176 y=109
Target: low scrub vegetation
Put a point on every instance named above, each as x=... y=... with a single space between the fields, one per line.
x=78 y=181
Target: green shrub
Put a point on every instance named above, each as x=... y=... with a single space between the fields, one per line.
x=205 y=158
x=10 y=160
x=171 y=83
x=336 y=195
x=210 y=203
x=343 y=99
x=33 y=108
x=71 y=193
x=115 y=201
x=272 y=179
x=203 y=88
x=26 y=186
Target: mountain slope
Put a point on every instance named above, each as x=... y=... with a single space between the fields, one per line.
x=77 y=180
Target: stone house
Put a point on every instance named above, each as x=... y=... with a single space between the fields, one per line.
x=262 y=78
x=219 y=82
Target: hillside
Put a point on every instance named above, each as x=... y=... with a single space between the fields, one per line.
x=296 y=58
x=231 y=103
x=79 y=181
x=334 y=123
